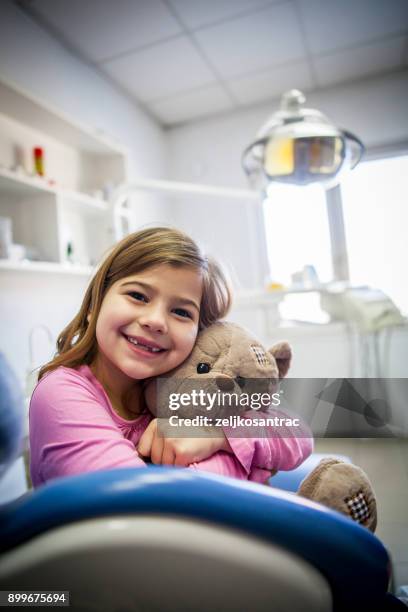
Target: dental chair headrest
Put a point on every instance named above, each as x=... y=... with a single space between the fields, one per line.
x=11 y=415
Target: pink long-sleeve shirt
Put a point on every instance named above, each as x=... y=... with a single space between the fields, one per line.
x=74 y=429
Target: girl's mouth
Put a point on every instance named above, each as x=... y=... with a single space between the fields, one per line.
x=147 y=348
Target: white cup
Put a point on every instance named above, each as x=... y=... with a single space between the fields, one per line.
x=17 y=252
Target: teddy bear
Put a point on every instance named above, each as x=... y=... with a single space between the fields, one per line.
x=227 y=360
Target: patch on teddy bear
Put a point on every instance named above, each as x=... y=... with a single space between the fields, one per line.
x=343 y=487
x=260 y=355
x=358 y=507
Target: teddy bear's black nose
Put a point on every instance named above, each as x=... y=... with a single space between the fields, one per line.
x=241 y=381
x=224 y=383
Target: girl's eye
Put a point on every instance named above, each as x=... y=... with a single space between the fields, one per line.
x=203 y=368
x=182 y=313
x=138 y=296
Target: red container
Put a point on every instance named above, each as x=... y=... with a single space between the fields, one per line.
x=39 y=161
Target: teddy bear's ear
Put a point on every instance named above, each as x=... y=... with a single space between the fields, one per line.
x=283 y=356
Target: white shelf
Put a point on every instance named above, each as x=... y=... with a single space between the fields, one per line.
x=45 y=266
x=20 y=184
x=260 y=297
x=186 y=189
x=83 y=199
x=50 y=218
x=294 y=329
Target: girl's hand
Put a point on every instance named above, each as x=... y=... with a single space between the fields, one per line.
x=178 y=451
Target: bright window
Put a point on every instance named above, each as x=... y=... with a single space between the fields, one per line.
x=297 y=232
x=375 y=207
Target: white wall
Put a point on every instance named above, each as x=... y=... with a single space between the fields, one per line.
x=32 y=60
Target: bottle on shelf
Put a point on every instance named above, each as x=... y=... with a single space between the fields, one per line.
x=70 y=252
x=38 y=161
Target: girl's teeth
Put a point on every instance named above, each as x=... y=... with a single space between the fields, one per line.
x=148 y=348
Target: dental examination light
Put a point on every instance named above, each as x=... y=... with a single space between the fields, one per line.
x=300 y=146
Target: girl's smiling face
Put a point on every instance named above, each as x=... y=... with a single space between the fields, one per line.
x=147 y=324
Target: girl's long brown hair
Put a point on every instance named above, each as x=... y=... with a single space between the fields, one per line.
x=76 y=344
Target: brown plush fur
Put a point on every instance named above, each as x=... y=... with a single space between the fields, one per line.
x=343 y=487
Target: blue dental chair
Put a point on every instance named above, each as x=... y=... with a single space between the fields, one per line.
x=167 y=539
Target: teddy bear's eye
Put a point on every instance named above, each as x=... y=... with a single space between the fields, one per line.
x=240 y=381
x=203 y=368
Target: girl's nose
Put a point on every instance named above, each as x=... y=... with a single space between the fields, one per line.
x=154 y=319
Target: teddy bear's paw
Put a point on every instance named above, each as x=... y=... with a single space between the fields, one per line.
x=343 y=487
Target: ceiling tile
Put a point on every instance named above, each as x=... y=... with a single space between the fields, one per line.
x=268 y=37
x=101 y=29
x=271 y=83
x=359 y=61
x=198 y=103
x=196 y=13
x=160 y=71
x=333 y=24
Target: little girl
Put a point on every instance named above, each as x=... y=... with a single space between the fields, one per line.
x=139 y=319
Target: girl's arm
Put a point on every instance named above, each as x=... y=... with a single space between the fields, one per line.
x=254 y=455
x=72 y=430
x=269 y=448
x=241 y=453
x=259 y=452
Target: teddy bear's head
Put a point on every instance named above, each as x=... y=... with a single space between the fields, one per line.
x=225 y=358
